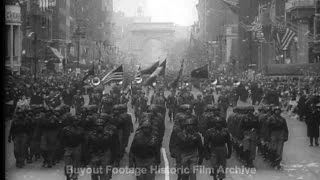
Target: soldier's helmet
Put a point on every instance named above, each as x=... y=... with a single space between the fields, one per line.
x=84 y=109
x=189 y=122
x=248 y=109
x=105 y=117
x=116 y=108
x=153 y=108
x=210 y=108
x=145 y=124
x=99 y=122
x=123 y=108
x=262 y=108
x=276 y=108
x=236 y=109
x=93 y=108
x=185 y=108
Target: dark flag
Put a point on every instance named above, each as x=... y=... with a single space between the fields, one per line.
x=164 y=65
x=201 y=72
x=158 y=72
x=89 y=73
x=150 y=69
x=175 y=82
x=115 y=75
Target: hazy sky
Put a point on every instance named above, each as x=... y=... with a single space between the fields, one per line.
x=182 y=12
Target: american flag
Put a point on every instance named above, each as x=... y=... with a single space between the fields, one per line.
x=115 y=75
x=284 y=35
x=137 y=76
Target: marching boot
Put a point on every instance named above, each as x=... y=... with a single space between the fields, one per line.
x=311 y=141
x=316 y=141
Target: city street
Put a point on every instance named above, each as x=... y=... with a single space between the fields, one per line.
x=299 y=160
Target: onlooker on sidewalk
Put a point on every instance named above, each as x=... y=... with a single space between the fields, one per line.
x=313 y=122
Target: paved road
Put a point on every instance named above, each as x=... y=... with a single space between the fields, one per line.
x=299 y=161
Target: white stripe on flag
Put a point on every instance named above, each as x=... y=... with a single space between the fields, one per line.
x=287 y=43
x=286 y=39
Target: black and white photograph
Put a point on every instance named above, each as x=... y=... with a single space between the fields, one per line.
x=161 y=89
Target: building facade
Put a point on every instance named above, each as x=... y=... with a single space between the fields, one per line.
x=14 y=37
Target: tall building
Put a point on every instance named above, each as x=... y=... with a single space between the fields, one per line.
x=217 y=30
x=13 y=35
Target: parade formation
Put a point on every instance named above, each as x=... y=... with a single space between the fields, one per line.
x=58 y=127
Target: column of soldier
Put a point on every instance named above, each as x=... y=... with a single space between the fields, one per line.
x=98 y=136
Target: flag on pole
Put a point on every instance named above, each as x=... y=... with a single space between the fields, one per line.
x=287 y=38
x=116 y=75
x=201 y=72
x=175 y=82
x=164 y=65
x=137 y=76
x=150 y=69
x=89 y=73
x=156 y=73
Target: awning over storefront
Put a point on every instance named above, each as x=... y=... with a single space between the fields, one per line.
x=293 y=69
x=52 y=54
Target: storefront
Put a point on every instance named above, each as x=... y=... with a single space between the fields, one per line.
x=14 y=40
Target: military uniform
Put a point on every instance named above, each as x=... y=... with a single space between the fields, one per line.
x=223 y=102
x=199 y=106
x=124 y=125
x=19 y=130
x=279 y=135
x=49 y=136
x=78 y=102
x=103 y=145
x=218 y=148
x=72 y=137
x=144 y=151
x=141 y=104
x=171 y=105
x=249 y=125
x=106 y=104
x=189 y=148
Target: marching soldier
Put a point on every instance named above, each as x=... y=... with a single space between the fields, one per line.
x=223 y=102
x=232 y=124
x=171 y=105
x=264 y=134
x=249 y=125
x=19 y=133
x=208 y=98
x=199 y=106
x=140 y=106
x=95 y=98
x=78 y=102
x=123 y=98
x=144 y=151
x=49 y=136
x=218 y=148
x=72 y=137
x=279 y=135
x=128 y=126
x=124 y=126
x=103 y=145
x=106 y=104
x=185 y=112
x=189 y=148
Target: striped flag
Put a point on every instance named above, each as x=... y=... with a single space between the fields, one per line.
x=115 y=75
x=287 y=38
x=137 y=76
x=256 y=25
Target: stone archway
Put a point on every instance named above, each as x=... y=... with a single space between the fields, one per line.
x=144 y=33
